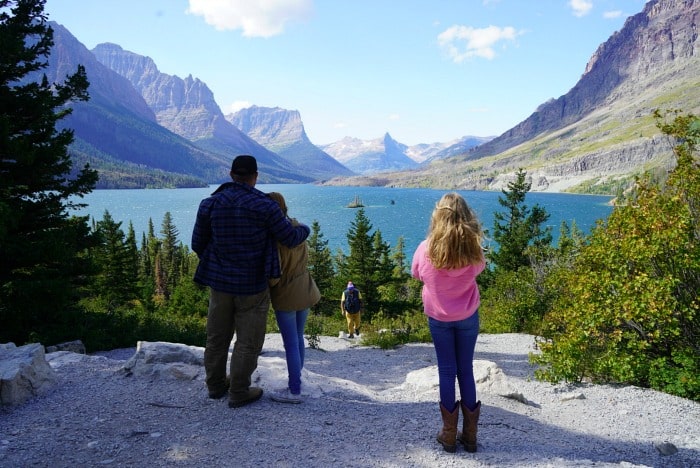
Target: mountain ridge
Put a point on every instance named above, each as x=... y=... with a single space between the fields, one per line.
x=116 y=132
x=595 y=138
x=187 y=108
x=601 y=134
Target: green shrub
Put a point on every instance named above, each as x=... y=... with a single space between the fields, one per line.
x=628 y=308
x=388 y=332
x=314 y=330
x=511 y=303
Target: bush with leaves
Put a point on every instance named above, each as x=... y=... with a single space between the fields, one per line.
x=511 y=304
x=390 y=331
x=628 y=310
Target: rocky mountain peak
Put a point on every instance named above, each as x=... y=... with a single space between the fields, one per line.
x=134 y=67
x=186 y=107
x=649 y=40
x=371 y=156
x=105 y=86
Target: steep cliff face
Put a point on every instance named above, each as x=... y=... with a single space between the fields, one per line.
x=105 y=86
x=270 y=126
x=116 y=131
x=282 y=131
x=186 y=107
x=663 y=36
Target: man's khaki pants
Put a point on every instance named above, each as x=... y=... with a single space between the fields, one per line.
x=246 y=316
x=353 y=322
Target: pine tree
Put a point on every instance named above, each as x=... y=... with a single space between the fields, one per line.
x=519 y=227
x=170 y=255
x=400 y=261
x=321 y=268
x=403 y=288
x=40 y=244
x=132 y=250
x=115 y=283
x=359 y=266
x=383 y=263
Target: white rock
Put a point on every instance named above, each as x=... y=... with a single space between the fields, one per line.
x=166 y=360
x=24 y=373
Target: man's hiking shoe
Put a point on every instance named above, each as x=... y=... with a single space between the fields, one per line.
x=217 y=394
x=245 y=398
x=285 y=396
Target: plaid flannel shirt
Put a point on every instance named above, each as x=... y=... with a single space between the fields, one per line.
x=235 y=236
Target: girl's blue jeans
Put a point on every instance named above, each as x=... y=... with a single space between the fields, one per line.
x=454 y=346
x=291 y=325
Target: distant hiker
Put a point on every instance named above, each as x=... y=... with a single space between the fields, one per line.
x=292 y=296
x=448 y=262
x=351 y=306
x=235 y=237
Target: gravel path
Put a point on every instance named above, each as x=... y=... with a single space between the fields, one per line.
x=360 y=410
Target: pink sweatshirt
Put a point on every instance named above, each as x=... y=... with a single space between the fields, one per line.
x=448 y=295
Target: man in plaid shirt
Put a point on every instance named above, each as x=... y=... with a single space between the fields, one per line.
x=235 y=237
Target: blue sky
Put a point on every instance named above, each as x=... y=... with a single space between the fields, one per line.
x=424 y=71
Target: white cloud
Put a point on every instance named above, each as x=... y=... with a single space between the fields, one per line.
x=580 y=7
x=463 y=42
x=260 y=18
x=238 y=105
x=394 y=117
x=612 y=14
x=340 y=125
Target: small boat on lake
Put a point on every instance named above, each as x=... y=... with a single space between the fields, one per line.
x=356 y=203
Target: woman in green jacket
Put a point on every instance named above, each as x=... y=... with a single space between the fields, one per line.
x=292 y=296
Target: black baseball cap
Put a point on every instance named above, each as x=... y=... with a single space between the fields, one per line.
x=244 y=165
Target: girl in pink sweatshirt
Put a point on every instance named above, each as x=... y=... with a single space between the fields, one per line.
x=448 y=262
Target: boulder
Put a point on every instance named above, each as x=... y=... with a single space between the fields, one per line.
x=488 y=376
x=491 y=379
x=24 y=373
x=166 y=360
x=76 y=346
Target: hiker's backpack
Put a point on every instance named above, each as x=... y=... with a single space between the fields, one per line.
x=352 y=301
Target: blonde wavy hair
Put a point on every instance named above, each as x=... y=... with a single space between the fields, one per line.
x=276 y=196
x=455 y=236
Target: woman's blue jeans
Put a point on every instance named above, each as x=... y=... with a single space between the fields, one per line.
x=291 y=325
x=454 y=346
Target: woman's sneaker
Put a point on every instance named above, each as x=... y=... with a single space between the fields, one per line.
x=285 y=396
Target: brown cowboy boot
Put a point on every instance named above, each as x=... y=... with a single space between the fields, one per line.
x=468 y=435
x=448 y=434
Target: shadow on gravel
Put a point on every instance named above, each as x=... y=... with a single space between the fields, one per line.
x=358 y=432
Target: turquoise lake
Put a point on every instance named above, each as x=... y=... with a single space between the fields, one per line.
x=393 y=211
